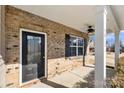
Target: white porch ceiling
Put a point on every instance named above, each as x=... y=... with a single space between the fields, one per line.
x=110 y=24
x=118 y=11
x=75 y=16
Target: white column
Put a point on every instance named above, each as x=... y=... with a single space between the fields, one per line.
x=117 y=48
x=0 y=31
x=100 y=47
x=2 y=65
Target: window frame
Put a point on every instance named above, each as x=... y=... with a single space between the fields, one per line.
x=77 y=45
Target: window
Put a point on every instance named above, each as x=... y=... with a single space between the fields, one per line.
x=74 y=46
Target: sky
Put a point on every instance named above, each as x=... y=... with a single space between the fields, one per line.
x=92 y=37
x=110 y=38
x=122 y=36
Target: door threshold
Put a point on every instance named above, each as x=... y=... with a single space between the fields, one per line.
x=31 y=82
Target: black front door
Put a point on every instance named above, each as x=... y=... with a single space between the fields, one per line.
x=33 y=56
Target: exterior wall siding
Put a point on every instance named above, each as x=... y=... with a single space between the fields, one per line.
x=57 y=63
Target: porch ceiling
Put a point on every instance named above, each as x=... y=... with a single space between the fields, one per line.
x=75 y=16
x=119 y=15
x=110 y=24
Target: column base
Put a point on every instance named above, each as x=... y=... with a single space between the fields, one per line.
x=2 y=73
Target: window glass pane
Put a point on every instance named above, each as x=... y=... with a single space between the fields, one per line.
x=80 y=42
x=30 y=41
x=72 y=51
x=73 y=41
x=34 y=49
x=80 y=50
x=76 y=45
x=37 y=49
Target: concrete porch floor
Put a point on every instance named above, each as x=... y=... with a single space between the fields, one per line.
x=81 y=77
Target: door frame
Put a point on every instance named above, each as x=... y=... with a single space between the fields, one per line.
x=20 y=57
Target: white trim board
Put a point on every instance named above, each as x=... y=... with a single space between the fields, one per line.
x=20 y=66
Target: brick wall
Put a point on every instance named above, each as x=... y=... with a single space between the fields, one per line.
x=16 y=19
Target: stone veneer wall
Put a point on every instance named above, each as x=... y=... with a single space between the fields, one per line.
x=57 y=63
